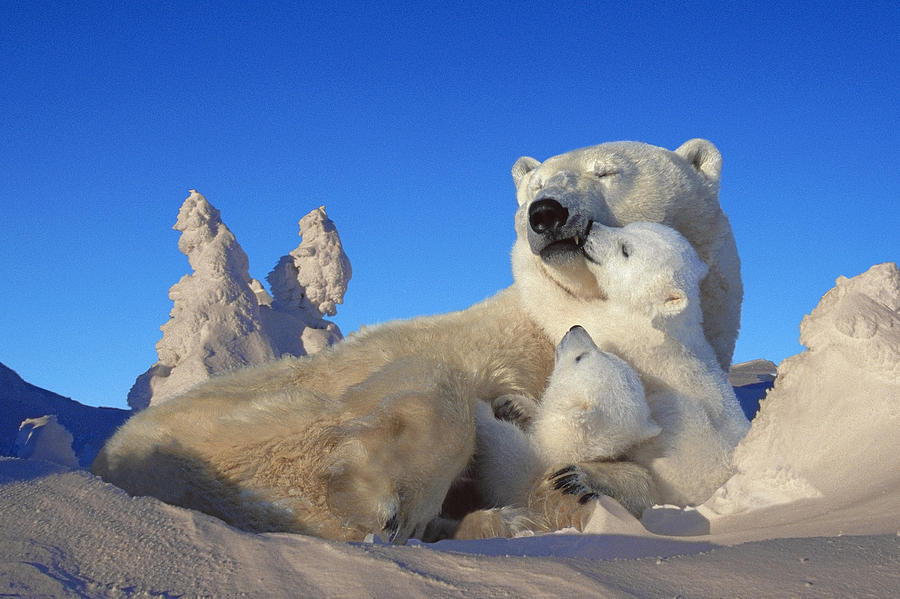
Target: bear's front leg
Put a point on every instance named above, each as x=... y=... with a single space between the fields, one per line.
x=565 y=497
x=413 y=433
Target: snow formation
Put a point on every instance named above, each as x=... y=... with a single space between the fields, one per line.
x=223 y=319
x=306 y=286
x=89 y=426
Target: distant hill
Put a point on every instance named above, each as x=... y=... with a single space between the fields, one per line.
x=90 y=427
x=751 y=381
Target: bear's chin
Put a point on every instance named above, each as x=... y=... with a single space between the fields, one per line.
x=561 y=253
x=569 y=271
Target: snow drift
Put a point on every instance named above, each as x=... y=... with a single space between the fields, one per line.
x=850 y=379
x=818 y=465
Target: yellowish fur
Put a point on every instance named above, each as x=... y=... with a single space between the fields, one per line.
x=339 y=443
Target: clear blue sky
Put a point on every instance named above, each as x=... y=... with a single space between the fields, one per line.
x=403 y=120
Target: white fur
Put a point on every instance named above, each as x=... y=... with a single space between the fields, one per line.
x=617 y=183
x=594 y=406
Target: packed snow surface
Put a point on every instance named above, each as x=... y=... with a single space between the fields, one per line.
x=812 y=511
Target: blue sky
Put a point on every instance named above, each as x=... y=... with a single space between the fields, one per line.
x=404 y=121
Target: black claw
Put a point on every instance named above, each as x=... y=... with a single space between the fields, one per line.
x=567 y=481
x=585 y=498
x=572 y=490
x=561 y=471
x=512 y=412
x=392 y=527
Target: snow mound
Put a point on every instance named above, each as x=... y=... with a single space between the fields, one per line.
x=68 y=534
x=830 y=425
x=223 y=319
x=45 y=439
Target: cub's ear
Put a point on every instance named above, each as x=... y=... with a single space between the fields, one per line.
x=703 y=156
x=522 y=167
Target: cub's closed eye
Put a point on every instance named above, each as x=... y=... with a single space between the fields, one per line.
x=625 y=250
x=600 y=173
x=578 y=358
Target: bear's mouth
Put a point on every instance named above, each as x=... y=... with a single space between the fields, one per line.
x=562 y=251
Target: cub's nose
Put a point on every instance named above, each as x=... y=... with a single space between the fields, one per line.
x=547 y=215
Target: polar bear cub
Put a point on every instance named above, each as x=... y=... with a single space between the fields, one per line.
x=593 y=408
x=651 y=277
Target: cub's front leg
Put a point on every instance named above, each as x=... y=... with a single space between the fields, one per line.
x=518 y=409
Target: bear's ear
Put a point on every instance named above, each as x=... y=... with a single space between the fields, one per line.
x=522 y=167
x=703 y=156
x=674 y=302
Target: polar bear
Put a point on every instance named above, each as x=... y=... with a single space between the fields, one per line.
x=594 y=408
x=651 y=317
x=615 y=184
x=340 y=409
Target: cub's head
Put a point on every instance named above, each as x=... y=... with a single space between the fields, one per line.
x=594 y=405
x=612 y=184
x=648 y=267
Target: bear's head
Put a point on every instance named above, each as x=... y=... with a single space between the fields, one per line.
x=648 y=268
x=594 y=405
x=612 y=184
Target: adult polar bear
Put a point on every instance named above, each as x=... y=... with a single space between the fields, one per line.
x=370 y=435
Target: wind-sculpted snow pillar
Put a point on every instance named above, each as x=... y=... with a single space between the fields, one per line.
x=215 y=322
x=307 y=284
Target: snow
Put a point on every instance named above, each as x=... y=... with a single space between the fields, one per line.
x=45 y=438
x=223 y=319
x=317 y=271
x=306 y=285
x=813 y=510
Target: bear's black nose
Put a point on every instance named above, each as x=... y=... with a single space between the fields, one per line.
x=547 y=215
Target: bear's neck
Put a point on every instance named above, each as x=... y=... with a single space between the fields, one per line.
x=669 y=354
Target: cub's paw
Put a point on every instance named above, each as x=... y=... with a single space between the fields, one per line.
x=626 y=482
x=518 y=409
x=563 y=499
x=573 y=480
